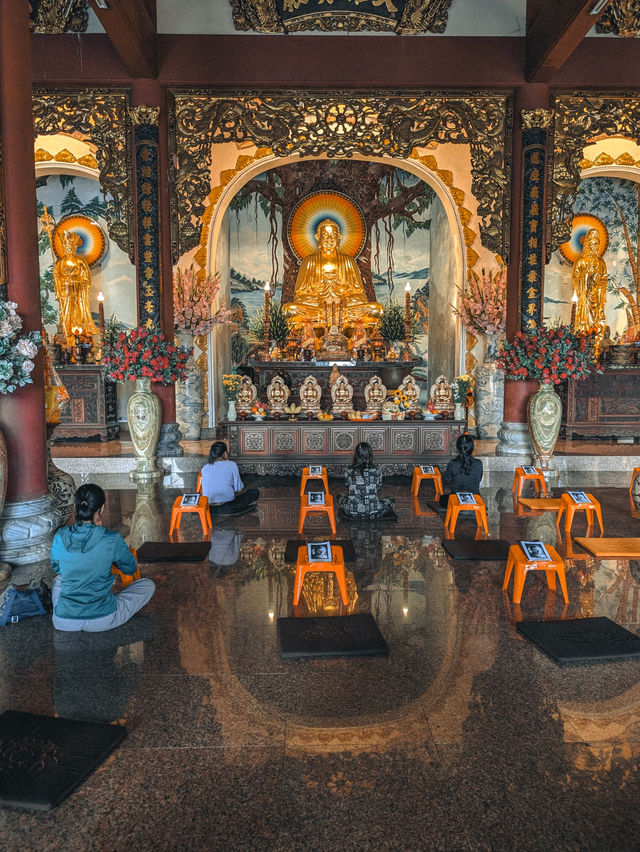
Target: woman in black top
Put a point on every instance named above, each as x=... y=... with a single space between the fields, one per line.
x=463 y=473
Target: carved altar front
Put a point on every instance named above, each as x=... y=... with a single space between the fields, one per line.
x=92 y=410
x=603 y=405
x=283 y=447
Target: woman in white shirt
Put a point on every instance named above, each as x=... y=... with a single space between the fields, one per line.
x=222 y=486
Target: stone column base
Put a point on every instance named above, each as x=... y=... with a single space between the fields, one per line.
x=26 y=530
x=169 y=440
x=514 y=440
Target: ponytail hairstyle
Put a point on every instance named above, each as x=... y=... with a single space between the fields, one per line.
x=89 y=500
x=362 y=458
x=465 y=446
x=217 y=450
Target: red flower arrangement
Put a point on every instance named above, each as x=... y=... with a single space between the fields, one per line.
x=143 y=352
x=548 y=355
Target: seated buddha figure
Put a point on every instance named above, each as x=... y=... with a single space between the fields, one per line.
x=330 y=277
x=441 y=395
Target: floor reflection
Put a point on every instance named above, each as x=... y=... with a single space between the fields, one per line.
x=462 y=705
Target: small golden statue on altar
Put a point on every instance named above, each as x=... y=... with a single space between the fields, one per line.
x=72 y=285
x=310 y=395
x=246 y=395
x=329 y=277
x=277 y=395
x=334 y=346
x=308 y=340
x=589 y=280
x=441 y=395
x=358 y=342
x=341 y=395
x=375 y=394
x=409 y=387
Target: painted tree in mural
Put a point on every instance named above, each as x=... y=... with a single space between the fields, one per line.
x=616 y=202
x=392 y=200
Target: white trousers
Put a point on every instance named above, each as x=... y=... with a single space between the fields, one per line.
x=128 y=602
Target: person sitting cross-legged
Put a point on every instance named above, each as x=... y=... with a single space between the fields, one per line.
x=222 y=486
x=364 y=480
x=81 y=557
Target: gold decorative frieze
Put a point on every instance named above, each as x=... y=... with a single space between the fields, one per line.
x=100 y=116
x=581 y=118
x=58 y=16
x=605 y=159
x=65 y=156
x=621 y=17
x=341 y=124
x=404 y=17
x=144 y=115
x=539 y=117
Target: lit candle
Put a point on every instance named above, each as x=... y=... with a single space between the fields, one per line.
x=407 y=322
x=101 y=312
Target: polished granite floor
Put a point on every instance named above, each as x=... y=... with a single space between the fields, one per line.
x=464 y=737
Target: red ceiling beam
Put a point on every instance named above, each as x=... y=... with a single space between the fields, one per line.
x=131 y=27
x=556 y=31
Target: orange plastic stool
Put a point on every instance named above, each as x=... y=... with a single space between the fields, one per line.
x=568 y=505
x=306 y=478
x=327 y=507
x=537 y=478
x=418 y=476
x=454 y=507
x=519 y=563
x=201 y=508
x=127 y=579
x=199 y=483
x=336 y=566
x=636 y=470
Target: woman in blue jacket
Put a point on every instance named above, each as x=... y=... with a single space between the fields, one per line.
x=81 y=557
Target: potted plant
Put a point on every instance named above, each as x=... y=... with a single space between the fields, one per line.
x=462 y=389
x=144 y=355
x=231 y=383
x=482 y=307
x=193 y=296
x=550 y=355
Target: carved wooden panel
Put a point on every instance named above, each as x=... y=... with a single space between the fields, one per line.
x=92 y=408
x=606 y=404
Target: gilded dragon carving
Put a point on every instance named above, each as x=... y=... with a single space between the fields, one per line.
x=102 y=117
x=340 y=124
x=58 y=16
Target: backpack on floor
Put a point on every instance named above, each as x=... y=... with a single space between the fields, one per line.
x=18 y=603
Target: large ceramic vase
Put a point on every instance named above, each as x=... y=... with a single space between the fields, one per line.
x=143 y=415
x=489 y=391
x=232 y=414
x=190 y=394
x=544 y=414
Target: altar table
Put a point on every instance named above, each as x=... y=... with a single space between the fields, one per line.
x=284 y=447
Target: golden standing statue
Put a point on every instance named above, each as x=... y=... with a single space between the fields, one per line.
x=72 y=285
x=589 y=279
x=328 y=277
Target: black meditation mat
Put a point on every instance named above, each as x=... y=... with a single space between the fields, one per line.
x=174 y=551
x=291 y=549
x=335 y=636
x=42 y=759
x=477 y=549
x=580 y=640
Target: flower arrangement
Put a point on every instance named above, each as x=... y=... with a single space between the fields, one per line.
x=548 y=355
x=259 y=409
x=483 y=302
x=16 y=352
x=143 y=352
x=231 y=383
x=399 y=402
x=193 y=296
x=462 y=387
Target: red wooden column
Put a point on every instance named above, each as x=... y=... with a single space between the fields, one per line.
x=28 y=519
x=513 y=434
x=153 y=239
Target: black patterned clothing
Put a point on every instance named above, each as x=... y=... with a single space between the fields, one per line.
x=362 y=501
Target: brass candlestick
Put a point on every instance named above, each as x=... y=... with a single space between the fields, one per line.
x=267 y=299
x=406 y=355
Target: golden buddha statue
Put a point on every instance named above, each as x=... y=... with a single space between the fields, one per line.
x=589 y=280
x=328 y=278
x=334 y=346
x=72 y=285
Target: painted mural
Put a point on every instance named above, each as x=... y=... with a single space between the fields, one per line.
x=396 y=208
x=611 y=206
